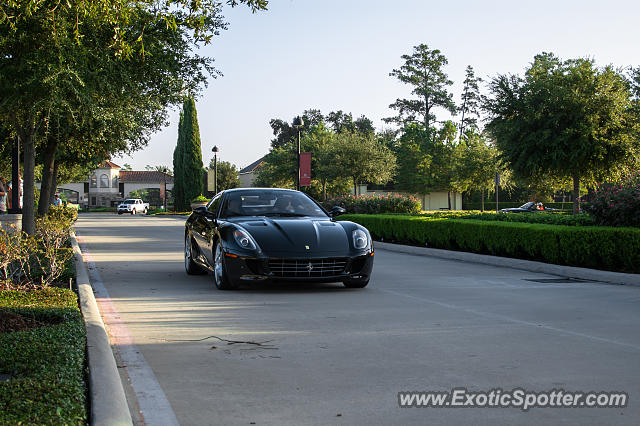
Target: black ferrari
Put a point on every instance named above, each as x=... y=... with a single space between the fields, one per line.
x=264 y=234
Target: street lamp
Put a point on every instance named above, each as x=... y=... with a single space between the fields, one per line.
x=298 y=122
x=164 y=173
x=215 y=169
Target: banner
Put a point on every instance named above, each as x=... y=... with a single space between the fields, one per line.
x=305 y=169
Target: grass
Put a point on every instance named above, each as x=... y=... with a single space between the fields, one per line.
x=46 y=365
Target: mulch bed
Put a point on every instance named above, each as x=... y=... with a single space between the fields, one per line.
x=10 y=322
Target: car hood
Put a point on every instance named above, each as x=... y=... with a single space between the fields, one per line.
x=298 y=236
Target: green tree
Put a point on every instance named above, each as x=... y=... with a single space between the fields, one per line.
x=567 y=118
x=191 y=154
x=178 y=173
x=470 y=106
x=53 y=60
x=478 y=165
x=363 y=159
x=227 y=175
x=423 y=70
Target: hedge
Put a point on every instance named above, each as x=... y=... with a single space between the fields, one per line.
x=549 y=218
x=46 y=364
x=491 y=205
x=608 y=248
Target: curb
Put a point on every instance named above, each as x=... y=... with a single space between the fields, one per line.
x=107 y=397
x=527 y=265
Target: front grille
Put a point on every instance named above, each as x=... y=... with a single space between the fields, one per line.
x=301 y=268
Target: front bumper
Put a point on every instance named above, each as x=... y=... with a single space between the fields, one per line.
x=310 y=269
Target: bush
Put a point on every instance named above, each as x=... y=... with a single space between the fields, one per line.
x=39 y=260
x=376 y=204
x=549 y=218
x=45 y=364
x=616 y=249
x=200 y=199
x=615 y=204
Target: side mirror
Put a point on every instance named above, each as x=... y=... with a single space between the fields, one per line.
x=337 y=211
x=201 y=210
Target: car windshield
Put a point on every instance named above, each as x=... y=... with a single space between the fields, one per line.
x=271 y=203
x=129 y=202
x=527 y=205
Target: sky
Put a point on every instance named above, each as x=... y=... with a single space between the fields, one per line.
x=337 y=55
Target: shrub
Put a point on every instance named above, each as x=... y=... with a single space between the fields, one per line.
x=615 y=204
x=616 y=249
x=199 y=199
x=45 y=364
x=376 y=204
x=549 y=218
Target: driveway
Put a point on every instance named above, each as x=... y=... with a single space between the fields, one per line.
x=324 y=355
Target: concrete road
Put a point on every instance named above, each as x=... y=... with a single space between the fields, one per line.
x=335 y=356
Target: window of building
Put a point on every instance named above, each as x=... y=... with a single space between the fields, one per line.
x=93 y=201
x=104 y=181
x=94 y=181
x=114 y=182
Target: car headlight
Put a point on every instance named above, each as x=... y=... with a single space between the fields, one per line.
x=244 y=240
x=360 y=239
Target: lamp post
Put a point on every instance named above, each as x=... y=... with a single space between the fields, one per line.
x=215 y=151
x=164 y=172
x=298 y=122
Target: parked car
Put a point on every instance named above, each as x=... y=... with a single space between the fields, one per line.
x=266 y=234
x=133 y=206
x=531 y=206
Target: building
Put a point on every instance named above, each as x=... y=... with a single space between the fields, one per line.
x=248 y=174
x=108 y=185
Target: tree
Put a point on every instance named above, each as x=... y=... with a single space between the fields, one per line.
x=227 y=175
x=470 y=107
x=567 y=118
x=479 y=163
x=126 y=167
x=423 y=71
x=285 y=132
x=191 y=154
x=178 y=168
x=53 y=60
x=363 y=159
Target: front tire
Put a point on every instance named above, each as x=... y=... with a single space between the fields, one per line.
x=133 y=212
x=350 y=283
x=189 y=265
x=220 y=276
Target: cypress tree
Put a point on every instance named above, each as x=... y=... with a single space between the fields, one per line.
x=192 y=153
x=178 y=175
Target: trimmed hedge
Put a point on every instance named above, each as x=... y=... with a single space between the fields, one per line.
x=615 y=249
x=376 y=204
x=549 y=218
x=491 y=205
x=46 y=364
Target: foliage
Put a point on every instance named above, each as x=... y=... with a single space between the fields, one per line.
x=375 y=204
x=188 y=174
x=549 y=218
x=227 y=175
x=568 y=119
x=616 y=249
x=614 y=204
x=46 y=364
x=423 y=70
x=39 y=260
x=470 y=108
x=199 y=199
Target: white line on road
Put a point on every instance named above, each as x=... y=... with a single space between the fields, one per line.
x=513 y=320
x=152 y=401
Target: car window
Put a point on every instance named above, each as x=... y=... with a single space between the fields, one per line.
x=270 y=202
x=214 y=205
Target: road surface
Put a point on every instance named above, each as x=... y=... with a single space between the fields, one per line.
x=325 y=355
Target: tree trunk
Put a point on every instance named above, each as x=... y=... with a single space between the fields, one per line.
x=449 y=198
x=47 y=174
x=324 y=190
x=482 y=200
x=355 y=188
x=576 y=194
x=28 y=204
x=54 y=183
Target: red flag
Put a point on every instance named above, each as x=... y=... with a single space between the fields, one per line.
x=305 y=169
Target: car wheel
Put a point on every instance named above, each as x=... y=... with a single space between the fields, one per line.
x=349 y=283
x=133 y=212
x=189 y=265
x=220 y=276
x=119 y=213
x=145 y=211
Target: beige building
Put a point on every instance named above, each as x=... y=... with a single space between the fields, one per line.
x=109 y=184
